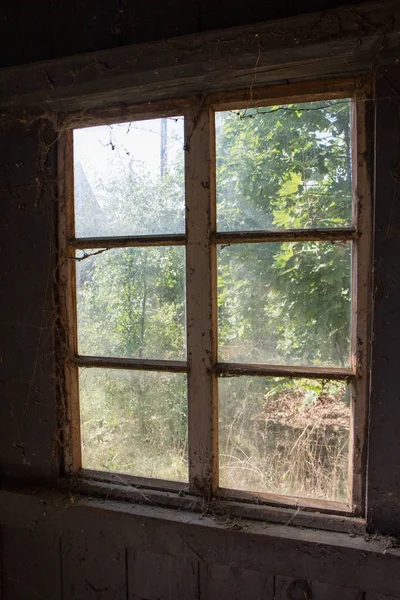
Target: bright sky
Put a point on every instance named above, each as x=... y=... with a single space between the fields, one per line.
x=107 y=149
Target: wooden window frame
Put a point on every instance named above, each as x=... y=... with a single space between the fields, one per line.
x=202 y=367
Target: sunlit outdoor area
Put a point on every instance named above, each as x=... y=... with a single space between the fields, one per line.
x=284 y=436
x=280 y=303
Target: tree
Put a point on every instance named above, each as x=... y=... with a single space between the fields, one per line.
x=285 y=167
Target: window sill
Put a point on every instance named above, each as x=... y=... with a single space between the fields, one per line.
x=233 y=505
x=204 y=539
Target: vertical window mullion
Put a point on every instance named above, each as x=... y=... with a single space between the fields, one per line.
x=201 y=299
x=67 y=300
x=361 y=309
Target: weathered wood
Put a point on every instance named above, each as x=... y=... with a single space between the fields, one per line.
x=383 y=476
x=380 y=597
x=328 y=516
x=93 y=568
x=201 y=299
x=28 y=412
x=152 y=576
x=286 y=500
x=237 y=369
x=310 y=90
x=31 y=565
x=288 y=588
x=131 y=480
x=307 y=91
x=118 y=113
x=332 y=558
x=138 y=364
x=336 y=43
x=324 y=591
x=324 y=518
x=134 y=492
x=289 y=235
x=68 y=342
x=219 y=582
x=136 y=241
x=271 y=95
x=362 y=171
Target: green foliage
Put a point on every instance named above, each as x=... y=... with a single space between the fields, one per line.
x=285 y=167
x=283 y=303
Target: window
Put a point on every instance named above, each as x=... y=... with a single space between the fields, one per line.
x=215 y=273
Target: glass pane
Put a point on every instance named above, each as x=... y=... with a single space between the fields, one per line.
x=131 y=303
x=129 y=178
x=285 y=303
x=134 y=422
x=284 y=436
x=283 y=167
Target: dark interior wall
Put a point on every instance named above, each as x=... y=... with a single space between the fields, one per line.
x=44 y=29
x=56 y=546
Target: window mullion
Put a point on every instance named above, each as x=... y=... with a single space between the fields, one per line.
x=67 y=300
x=201 y=299
x=361 y=309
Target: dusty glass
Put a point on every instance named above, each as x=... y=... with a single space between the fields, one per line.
x=131 y=302
x=284 y=167
x=285 y=303
x=134 y=422
x=129 y=178
x=284 y=436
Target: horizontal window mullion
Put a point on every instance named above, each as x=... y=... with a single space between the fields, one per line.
x=138 y=364
x=263 y=370
x=334 y=234
x=136 y=241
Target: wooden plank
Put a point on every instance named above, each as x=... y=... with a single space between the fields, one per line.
x=31 y=564
x=335 y=558
x=119 y=113
x=383 y=476
x=362 y=178
x=238 y=369
x=289 y=235
x=221 y=582
x=138 y=364
x=172 y=107
x=307 y=91
x=289 y=588
x=336 y=43
x=152 y=576
x=294 y=501
x=137 y=241
x=135 y=493
x=324 y=591
x=201 y=299
x=28 y=412
x=380 y=597
x=328 y=516
x=322 y=518
x=69 y=385
x=93 y=568
x=132 y=481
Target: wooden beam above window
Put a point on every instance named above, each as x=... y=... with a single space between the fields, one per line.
x=343 y=42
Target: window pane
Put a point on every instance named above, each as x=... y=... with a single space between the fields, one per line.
x=134 y=422
x=285 y=303
x=131 y=303
x=284 y=167
x=284 y=436
x=129 y=178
